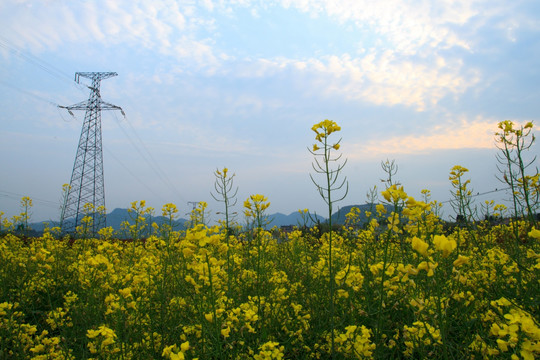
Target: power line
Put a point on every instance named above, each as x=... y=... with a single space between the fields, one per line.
x=42 y=64
x=111 y=154
x=477 y=194
x=147 y=156
x=142 y=155
x=480 y=194
x=17 y=196
x=38 y=97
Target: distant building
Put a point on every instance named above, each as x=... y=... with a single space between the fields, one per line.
x=287 y=228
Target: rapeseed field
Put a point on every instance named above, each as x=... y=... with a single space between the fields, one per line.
x=404 y=284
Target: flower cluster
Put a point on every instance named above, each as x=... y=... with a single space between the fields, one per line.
x=322 y=131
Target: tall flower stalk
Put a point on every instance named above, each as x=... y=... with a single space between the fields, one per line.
x=26 y=205
x=224 y=185
x=224 y=189
x=329 y=166
x=462 y=197
x=513 y=142
x=170 y=213
x=255 y=208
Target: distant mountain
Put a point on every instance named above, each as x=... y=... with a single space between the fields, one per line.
x=117 y=216
x=114 y=219
x=294 y=218
x=339 y=216
x=40 y=226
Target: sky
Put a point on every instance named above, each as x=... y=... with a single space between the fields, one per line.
x=239 y=84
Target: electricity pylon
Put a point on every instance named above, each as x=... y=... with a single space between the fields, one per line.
x=87 y=185
x=194 y=203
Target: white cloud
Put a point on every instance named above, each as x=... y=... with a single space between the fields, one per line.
x=158 y=26
x=394 y=81
x=377 y=78
x=407 y=25
x=407 y=67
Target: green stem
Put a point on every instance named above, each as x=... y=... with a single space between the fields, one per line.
x=381 y=291
x=330 y=264
x=214 y=312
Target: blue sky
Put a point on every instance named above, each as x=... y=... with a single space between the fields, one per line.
x=208 y=84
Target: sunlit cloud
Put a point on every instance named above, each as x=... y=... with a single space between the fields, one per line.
x=460 y=134
x=386 y=80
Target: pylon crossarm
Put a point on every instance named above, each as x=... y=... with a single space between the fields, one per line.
x=106 y=106
x=94 y=75
x=84 y=105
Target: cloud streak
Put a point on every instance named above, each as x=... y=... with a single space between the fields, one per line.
x=377 y=78
x=462 y=133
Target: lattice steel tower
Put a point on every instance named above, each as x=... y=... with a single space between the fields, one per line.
x=87 y=184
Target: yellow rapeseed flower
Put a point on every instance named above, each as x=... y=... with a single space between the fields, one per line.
x=325 y=128
x=428 y=267
x=420 y=246
x=185 y=345
x=534 y=233
x=443 y=244
x=394 y=194
x=456 y=172
x=92 y=333
x=125 y=292
x=177 y=356
x=256 y=204
x=461 y=260
x=506 y=125
x=225 y=332
x=270 y=350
